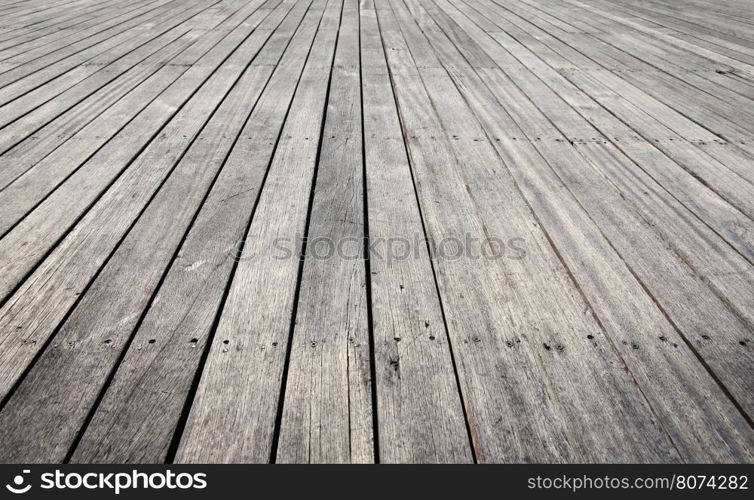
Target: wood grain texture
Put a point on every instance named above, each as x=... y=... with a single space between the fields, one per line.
x=233 y=416
x=557 y=352
x=327 y=407
x=420 y=414
x=111 y=217
x=147 y=396
x=397 y=231
x=633 y=323
x=110 y=316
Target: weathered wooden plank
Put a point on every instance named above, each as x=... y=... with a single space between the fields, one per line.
x=41 y=33
x=679 y=286
x=735 y=286
x=642 y=69
x=28 y=113
x=582 y=172
x=634 y=324
x=569 y=62
x=24 y=14
x=57 y=149
x=89 y=74
x=728 y=121
x=146 y=398
x=719 y=33
x=100 y=325
x=233 y=416
x=552 y=338
x=25 y=320
x=420 y=416
x=24 y=75
x=38 y=140
x=78 y=42
x=38 y=232
x=714 y=194
x=600 y=52
x=725 y=270
x=327 y=408
x=701 y=71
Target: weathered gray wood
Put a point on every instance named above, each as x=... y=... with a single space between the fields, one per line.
x=553 y=339
x=671 y=377
x=95 y=73
x=583 y=171
x=327 y=409
x=46 y=164
x=27 y=114
x=728 y=121
x=638 y=137
x=645 y=62
x=57 y=27
x=737 y=275
x=44 y=139
x=146 y=398
x=100 y=325
x=28 y=74
x=26 y=322
x=681 y=288
x=25 y=14
x=233 y=415
x=419 y=409
x=569 y=62
x=37 y=233
x=47 y=157
x=735 y=286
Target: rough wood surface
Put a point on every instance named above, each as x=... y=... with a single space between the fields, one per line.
x=376 y=231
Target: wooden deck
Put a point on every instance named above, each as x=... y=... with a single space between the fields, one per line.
x=376 y=230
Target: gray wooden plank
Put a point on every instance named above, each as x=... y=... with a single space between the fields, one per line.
x=47 y=158
x=34 y=109
x=420 y=412
x=716 y=195
x=60 y=75
x=679 y=286
x=232 y=418
x=100 y=325
x=727 y=271
x=143 y=405
x=700 y=71
x=721 y=32
x=712 y=100
x=94 y=33
x=717 y=115
x=552 y=345
x=30 y=11
x=24 y=74
x=606 y=147
x=327 y=408
x=41 y=33
x=35 y=139
x=570 y=62
x=699 y=246
x=629 y=315
x=39 y=231
x=66 y=272
x=31 y=180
